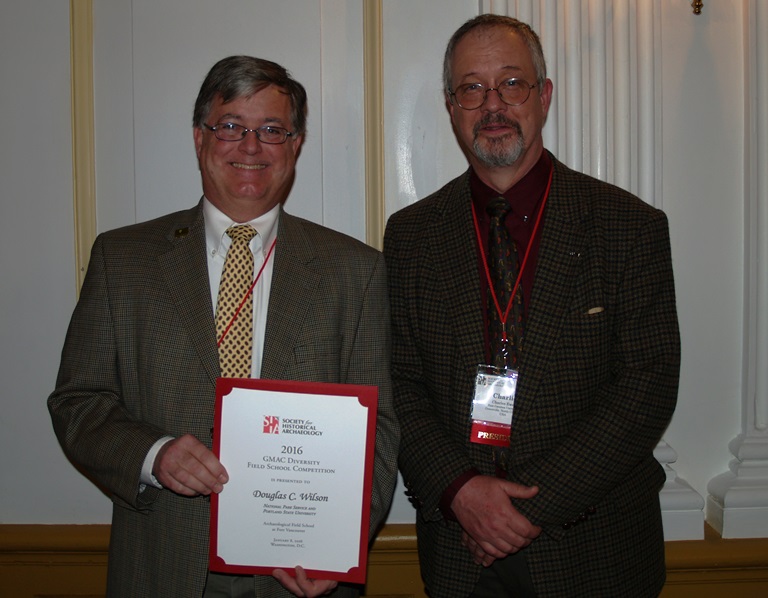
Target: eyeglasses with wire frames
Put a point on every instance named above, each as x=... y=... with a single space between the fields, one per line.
x=512 y=92
x=235 y=132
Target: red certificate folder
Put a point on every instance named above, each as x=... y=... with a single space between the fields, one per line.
x=300 y=461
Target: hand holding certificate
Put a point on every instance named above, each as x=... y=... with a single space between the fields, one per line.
x=300 y=458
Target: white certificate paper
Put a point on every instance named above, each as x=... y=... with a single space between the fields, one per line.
x=300 y=458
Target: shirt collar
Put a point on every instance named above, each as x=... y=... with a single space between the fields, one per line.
x=217 y=223
x=523 y=196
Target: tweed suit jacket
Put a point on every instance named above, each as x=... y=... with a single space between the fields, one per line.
x=140 y=362
x=597 y=387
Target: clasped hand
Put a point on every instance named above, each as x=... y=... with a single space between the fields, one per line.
x=492 y=527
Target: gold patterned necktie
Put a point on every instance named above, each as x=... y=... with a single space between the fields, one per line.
x=503 y=267
x=236 y=327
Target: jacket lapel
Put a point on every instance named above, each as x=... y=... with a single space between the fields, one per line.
x=293 y=280
x=563 y=241
x=185 y=270
x=455 y=257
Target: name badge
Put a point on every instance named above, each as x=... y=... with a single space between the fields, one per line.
x=493 y=405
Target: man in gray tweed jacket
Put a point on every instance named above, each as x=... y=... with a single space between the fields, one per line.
x=134 y=399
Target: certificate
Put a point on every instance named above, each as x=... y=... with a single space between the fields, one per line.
x=300 y=461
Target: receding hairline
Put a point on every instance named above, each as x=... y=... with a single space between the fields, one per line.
x=484 y=24
x=247 y=95
x=242 y=76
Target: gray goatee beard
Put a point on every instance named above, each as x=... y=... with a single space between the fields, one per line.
x=499 y=151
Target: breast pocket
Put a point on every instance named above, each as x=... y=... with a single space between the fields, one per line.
x=586 y=346
x=587 y=326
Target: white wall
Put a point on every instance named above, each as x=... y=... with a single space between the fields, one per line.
x=703 y=188
x=149 y=62
x=37 y=292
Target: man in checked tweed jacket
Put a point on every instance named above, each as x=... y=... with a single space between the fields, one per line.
x=140 y=361
x=570 y=506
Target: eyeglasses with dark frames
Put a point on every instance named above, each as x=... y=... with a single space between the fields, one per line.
x=512 y=92
x=236 y=132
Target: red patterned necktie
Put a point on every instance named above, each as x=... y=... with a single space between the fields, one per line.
x=503 y=267
x=236 y=348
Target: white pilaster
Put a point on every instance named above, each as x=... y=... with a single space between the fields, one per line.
x=682 y=508
x=737 y=505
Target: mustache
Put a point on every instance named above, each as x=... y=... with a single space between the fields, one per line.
x=496 y=119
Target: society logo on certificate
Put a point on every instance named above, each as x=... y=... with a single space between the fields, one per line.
x=300 y=458
x=271 y=424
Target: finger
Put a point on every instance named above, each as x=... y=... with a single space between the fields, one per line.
x=302 y=585
x=288 y=582
x=465 y=539
x=514 y=540
x=498 y=550
x=178 y=467
x=479 y=556
x=477 y=551
x=172 y=472
x=521 y=532
x=209 y=461
x=200 y=456
x=514 y=490
x=313 y=587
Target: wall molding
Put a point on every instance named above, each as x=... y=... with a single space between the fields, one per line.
x=373 y=72
x=71 y=560
x=83 y=149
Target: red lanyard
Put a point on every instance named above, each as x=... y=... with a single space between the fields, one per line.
x=245 y=298
x=491 y=290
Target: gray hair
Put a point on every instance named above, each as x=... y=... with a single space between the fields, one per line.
x=242 y=76
x=488 y=21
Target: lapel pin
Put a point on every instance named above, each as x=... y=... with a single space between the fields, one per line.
x=180 y=232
